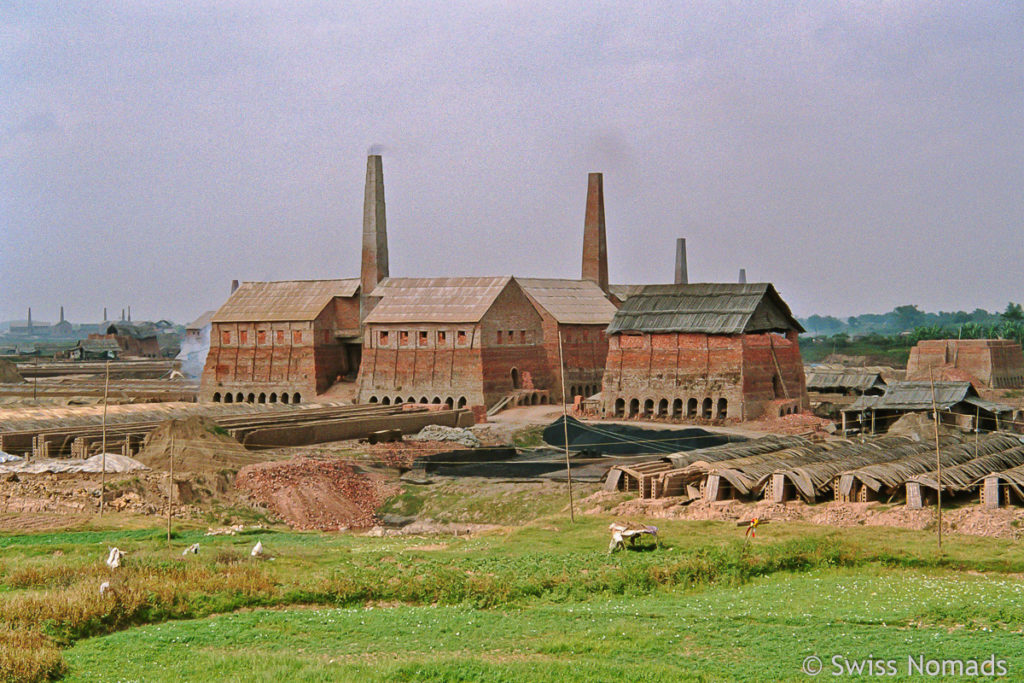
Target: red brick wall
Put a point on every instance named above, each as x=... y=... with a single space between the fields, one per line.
x=678 y=373
x=994 y=362
x=584 y=352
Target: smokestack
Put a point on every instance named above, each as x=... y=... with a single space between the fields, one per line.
x=595 y=245
x=62 y=314
x=743 y=276
x=104 y=314
x=30 y=318
x=234 y=286
x=681 y=278
x=129 y=314
x=375 y=234
x=122 y=315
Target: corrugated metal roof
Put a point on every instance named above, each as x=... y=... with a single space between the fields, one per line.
x=710 y=308
x=435 y=300
x=287 y=300
x=819 y=380
x=571 y=302
x=916 y=396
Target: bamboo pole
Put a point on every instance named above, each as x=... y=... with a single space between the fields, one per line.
x=938 y=459
x=565 y=427
x=103 y=442
x=170 y=488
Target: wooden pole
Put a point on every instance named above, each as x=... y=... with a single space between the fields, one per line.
x=565 y=427
x=103 y=442
x=938 y=460
x=977 y=428
x=170 y=488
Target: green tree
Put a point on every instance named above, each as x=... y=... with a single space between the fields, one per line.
x=1013 y=312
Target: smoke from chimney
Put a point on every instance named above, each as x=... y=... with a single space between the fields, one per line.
x=681 y=276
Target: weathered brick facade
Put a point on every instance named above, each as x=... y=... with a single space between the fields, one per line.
x=278 y=359
x=997 y=363
x=695 y=374
x=421 y=352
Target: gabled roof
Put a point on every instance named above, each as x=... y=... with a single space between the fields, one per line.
x=916 y=396
x=202 y=321
x=708 y=308
x=623 y=292
x=283 y=301
x=139 y=330
x=435 y=300
x=570 y=302
x=826 y=380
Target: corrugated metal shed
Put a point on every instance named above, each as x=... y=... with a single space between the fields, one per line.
x=283 y=301
x=825 y=381
x=571 y=302
x=435 y=300
x=709 y=308
x=916 y=396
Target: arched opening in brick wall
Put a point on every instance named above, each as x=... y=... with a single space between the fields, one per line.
x=462 y=401
x=517 y=382
x=273 y=397
x=691 y=409
x=373 y=399
x=297 y=398
x=723 y=408
x=705 y=409
x=251 y=398
x=239 y=397
x=216 y=397
x=284 y=397
x=449 y=403
x=620 y=407
x=411 y=399
x=386 y=401
x=423 y=400
x=663 y=408
x=262 y=398
x=399 y=401
x=228 y=398
x=634 y=407
x=436 y=401
x=677 y=408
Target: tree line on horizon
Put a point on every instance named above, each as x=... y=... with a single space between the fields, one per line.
x=910 y=320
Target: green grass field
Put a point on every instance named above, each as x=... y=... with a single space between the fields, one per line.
x=542 y=601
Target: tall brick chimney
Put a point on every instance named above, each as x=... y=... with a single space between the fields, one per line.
x=595 y=246
x=743 y=276
x=681 y=277
x=375 y=234
x=104 y=314
x=61 y=314
x=234 y=286
x=29 y=318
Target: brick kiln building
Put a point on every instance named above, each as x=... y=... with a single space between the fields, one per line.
x=457 y=341
x=996 y=363
x=704 y=351
x=289 y=341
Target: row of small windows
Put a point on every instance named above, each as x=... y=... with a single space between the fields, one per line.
x=422 y=338
x=449 y=402
x=706 y=409
x=261 y=337
x=253 y=397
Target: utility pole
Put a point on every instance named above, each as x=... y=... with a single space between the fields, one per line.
x=565 y=427
x=103 y=442
x=938 y=459
x=170 y=488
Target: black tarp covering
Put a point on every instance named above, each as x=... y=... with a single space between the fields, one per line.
x=617 y=439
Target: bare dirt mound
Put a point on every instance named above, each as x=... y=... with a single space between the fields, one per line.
x=917 y=426
x=197 y=444
x=9 y=373
x=313 y=494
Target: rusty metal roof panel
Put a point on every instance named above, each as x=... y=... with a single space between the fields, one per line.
x=916 y=396
x=435 y=300
x=709 y=308
x=283 y=301
x=570 y=302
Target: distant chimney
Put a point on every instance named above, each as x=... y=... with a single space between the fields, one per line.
x=743 y=276
x=681 y=278
x=375 y=233
x=234 y=286
x=595 y=245
x=62 y=314
x=30 y=318
x=104 y=314
x=122 y=315
x=129 y=314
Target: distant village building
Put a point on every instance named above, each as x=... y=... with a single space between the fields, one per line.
x=995 y=363
x=704 y=351
x=958 y=404
x=134 y=339
x=95 y=349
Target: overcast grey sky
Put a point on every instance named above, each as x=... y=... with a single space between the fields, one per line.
x=860 y=155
